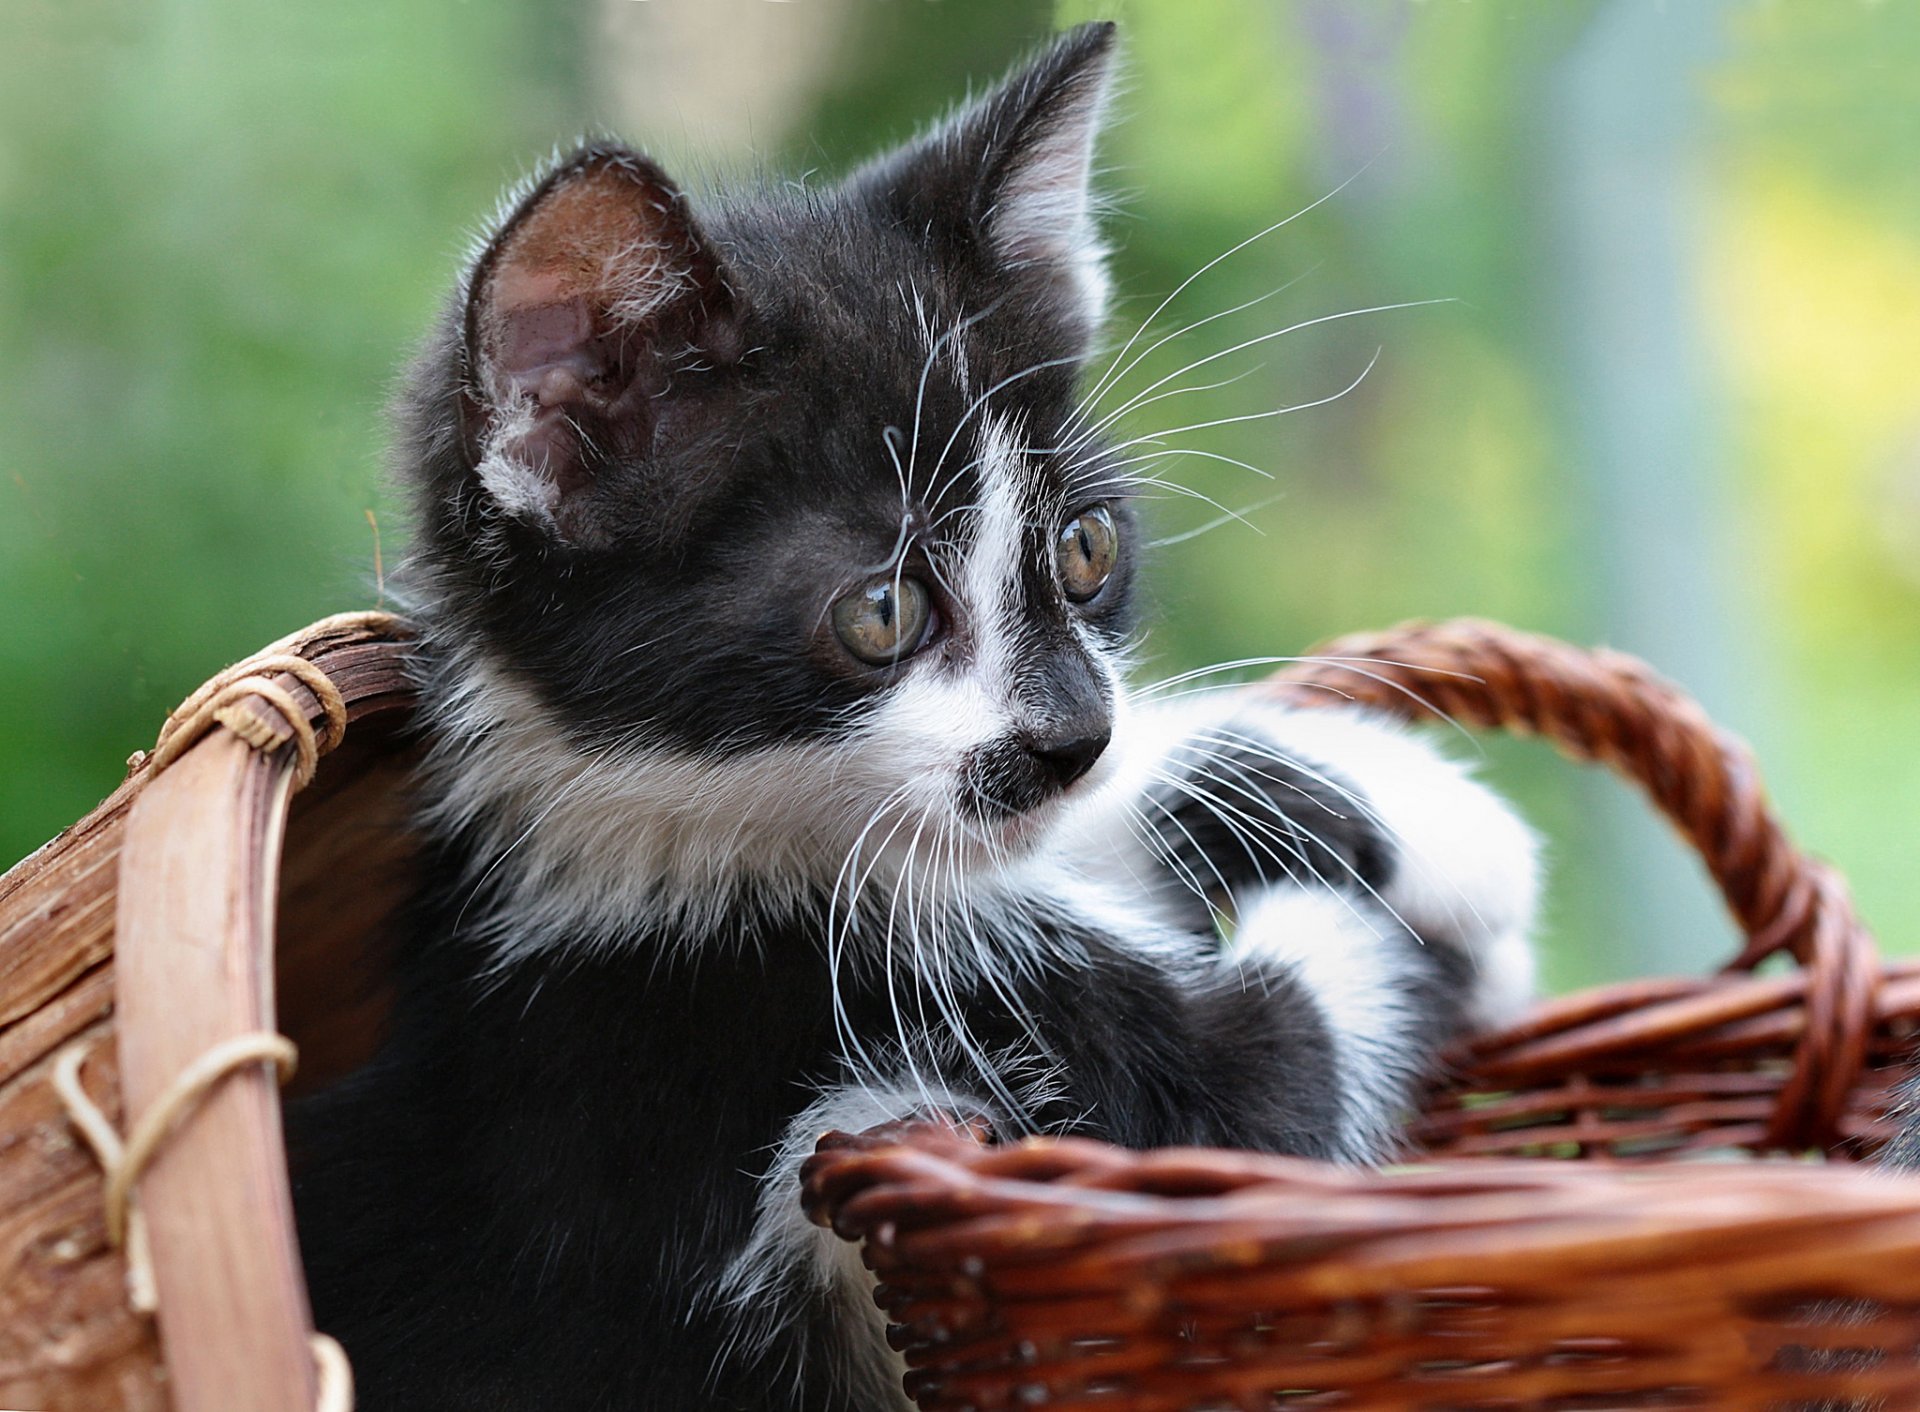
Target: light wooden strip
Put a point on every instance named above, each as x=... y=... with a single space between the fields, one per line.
x=195 y=963
x=56 y=912
x=67 y=1337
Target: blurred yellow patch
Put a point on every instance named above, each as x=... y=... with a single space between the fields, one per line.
x=1814 y=309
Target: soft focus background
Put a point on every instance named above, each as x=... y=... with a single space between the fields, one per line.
x=1670 y=400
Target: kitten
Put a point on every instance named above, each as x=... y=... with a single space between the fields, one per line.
x=775 y=604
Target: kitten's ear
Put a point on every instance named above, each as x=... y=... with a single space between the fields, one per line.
x=1011 y=173
x=594 y=292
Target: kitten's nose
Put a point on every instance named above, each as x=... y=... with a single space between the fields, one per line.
x=1068 y=759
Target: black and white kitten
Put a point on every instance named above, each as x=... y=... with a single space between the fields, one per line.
x=775 y=604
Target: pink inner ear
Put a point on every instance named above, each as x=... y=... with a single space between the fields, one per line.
x=593 y=253
x=581 y=310
x=538 y=337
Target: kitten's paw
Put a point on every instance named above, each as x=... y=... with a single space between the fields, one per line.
x=1214 y=796
x=1231 y=815
x=1378 y=995
x=1465 y=869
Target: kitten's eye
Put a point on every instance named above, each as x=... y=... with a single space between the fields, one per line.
x=883 y=621
x=1088 y=548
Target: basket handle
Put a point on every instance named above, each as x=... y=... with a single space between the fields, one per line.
x=1606 y=707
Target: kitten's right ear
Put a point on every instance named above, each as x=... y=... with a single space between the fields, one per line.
x=1009 y=178
x=593 y=292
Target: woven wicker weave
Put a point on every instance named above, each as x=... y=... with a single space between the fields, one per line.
x=1073 y=1275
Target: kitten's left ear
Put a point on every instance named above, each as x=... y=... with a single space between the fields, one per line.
x=1010 y=175
x=593 y=295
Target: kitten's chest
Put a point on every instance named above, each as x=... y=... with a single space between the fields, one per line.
x=616 y=1115
x=724 y=1037
x=624 y=1076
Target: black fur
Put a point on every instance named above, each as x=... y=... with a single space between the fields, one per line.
x=1903 y=1153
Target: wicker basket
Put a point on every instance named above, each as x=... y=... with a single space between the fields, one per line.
x=1066 y=1273
x=145 y=937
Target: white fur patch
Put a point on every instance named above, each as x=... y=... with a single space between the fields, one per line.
x=637 y=836
x=1358 y=970
x=991 y=580
x=521 y=489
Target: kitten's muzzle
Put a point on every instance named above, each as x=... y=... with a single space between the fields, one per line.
x=1022 y=771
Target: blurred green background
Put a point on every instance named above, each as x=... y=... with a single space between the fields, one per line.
x=1670 y=400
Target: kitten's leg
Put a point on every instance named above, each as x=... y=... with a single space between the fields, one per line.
x=1218 y=801
x=796 y=1292
x=1387 y=1001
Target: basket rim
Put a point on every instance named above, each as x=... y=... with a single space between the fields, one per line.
x=194 y=949
x=1048 y=1263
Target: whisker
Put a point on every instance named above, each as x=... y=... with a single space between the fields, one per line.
x=1186 y=833
x=981 y=401
x=1364 y=807
x=1226 y=254
x=1262 y=416
x=839 y=935
x=891 y=976
x=1352 y=664
x=1246 y=789
x=1170 y=452
x=1157 y=848
x=1187 y=492
x=926 y=369
x=1182 y=332
x=1254 y=832
x=1146 y=401
x=1218 y=520
x=890 y=438
x=940 y=983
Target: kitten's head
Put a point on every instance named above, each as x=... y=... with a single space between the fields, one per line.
x=745 y=524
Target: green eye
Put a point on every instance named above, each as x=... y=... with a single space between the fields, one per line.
x=883 y=621
x=1086 y=551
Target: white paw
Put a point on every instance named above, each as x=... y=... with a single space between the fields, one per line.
x=1467 y=868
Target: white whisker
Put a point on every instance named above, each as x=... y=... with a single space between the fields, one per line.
x=1259 y=235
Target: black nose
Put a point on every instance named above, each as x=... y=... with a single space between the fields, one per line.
x=1067 y=760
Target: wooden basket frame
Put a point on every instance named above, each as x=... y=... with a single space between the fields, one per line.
x=184 y=862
